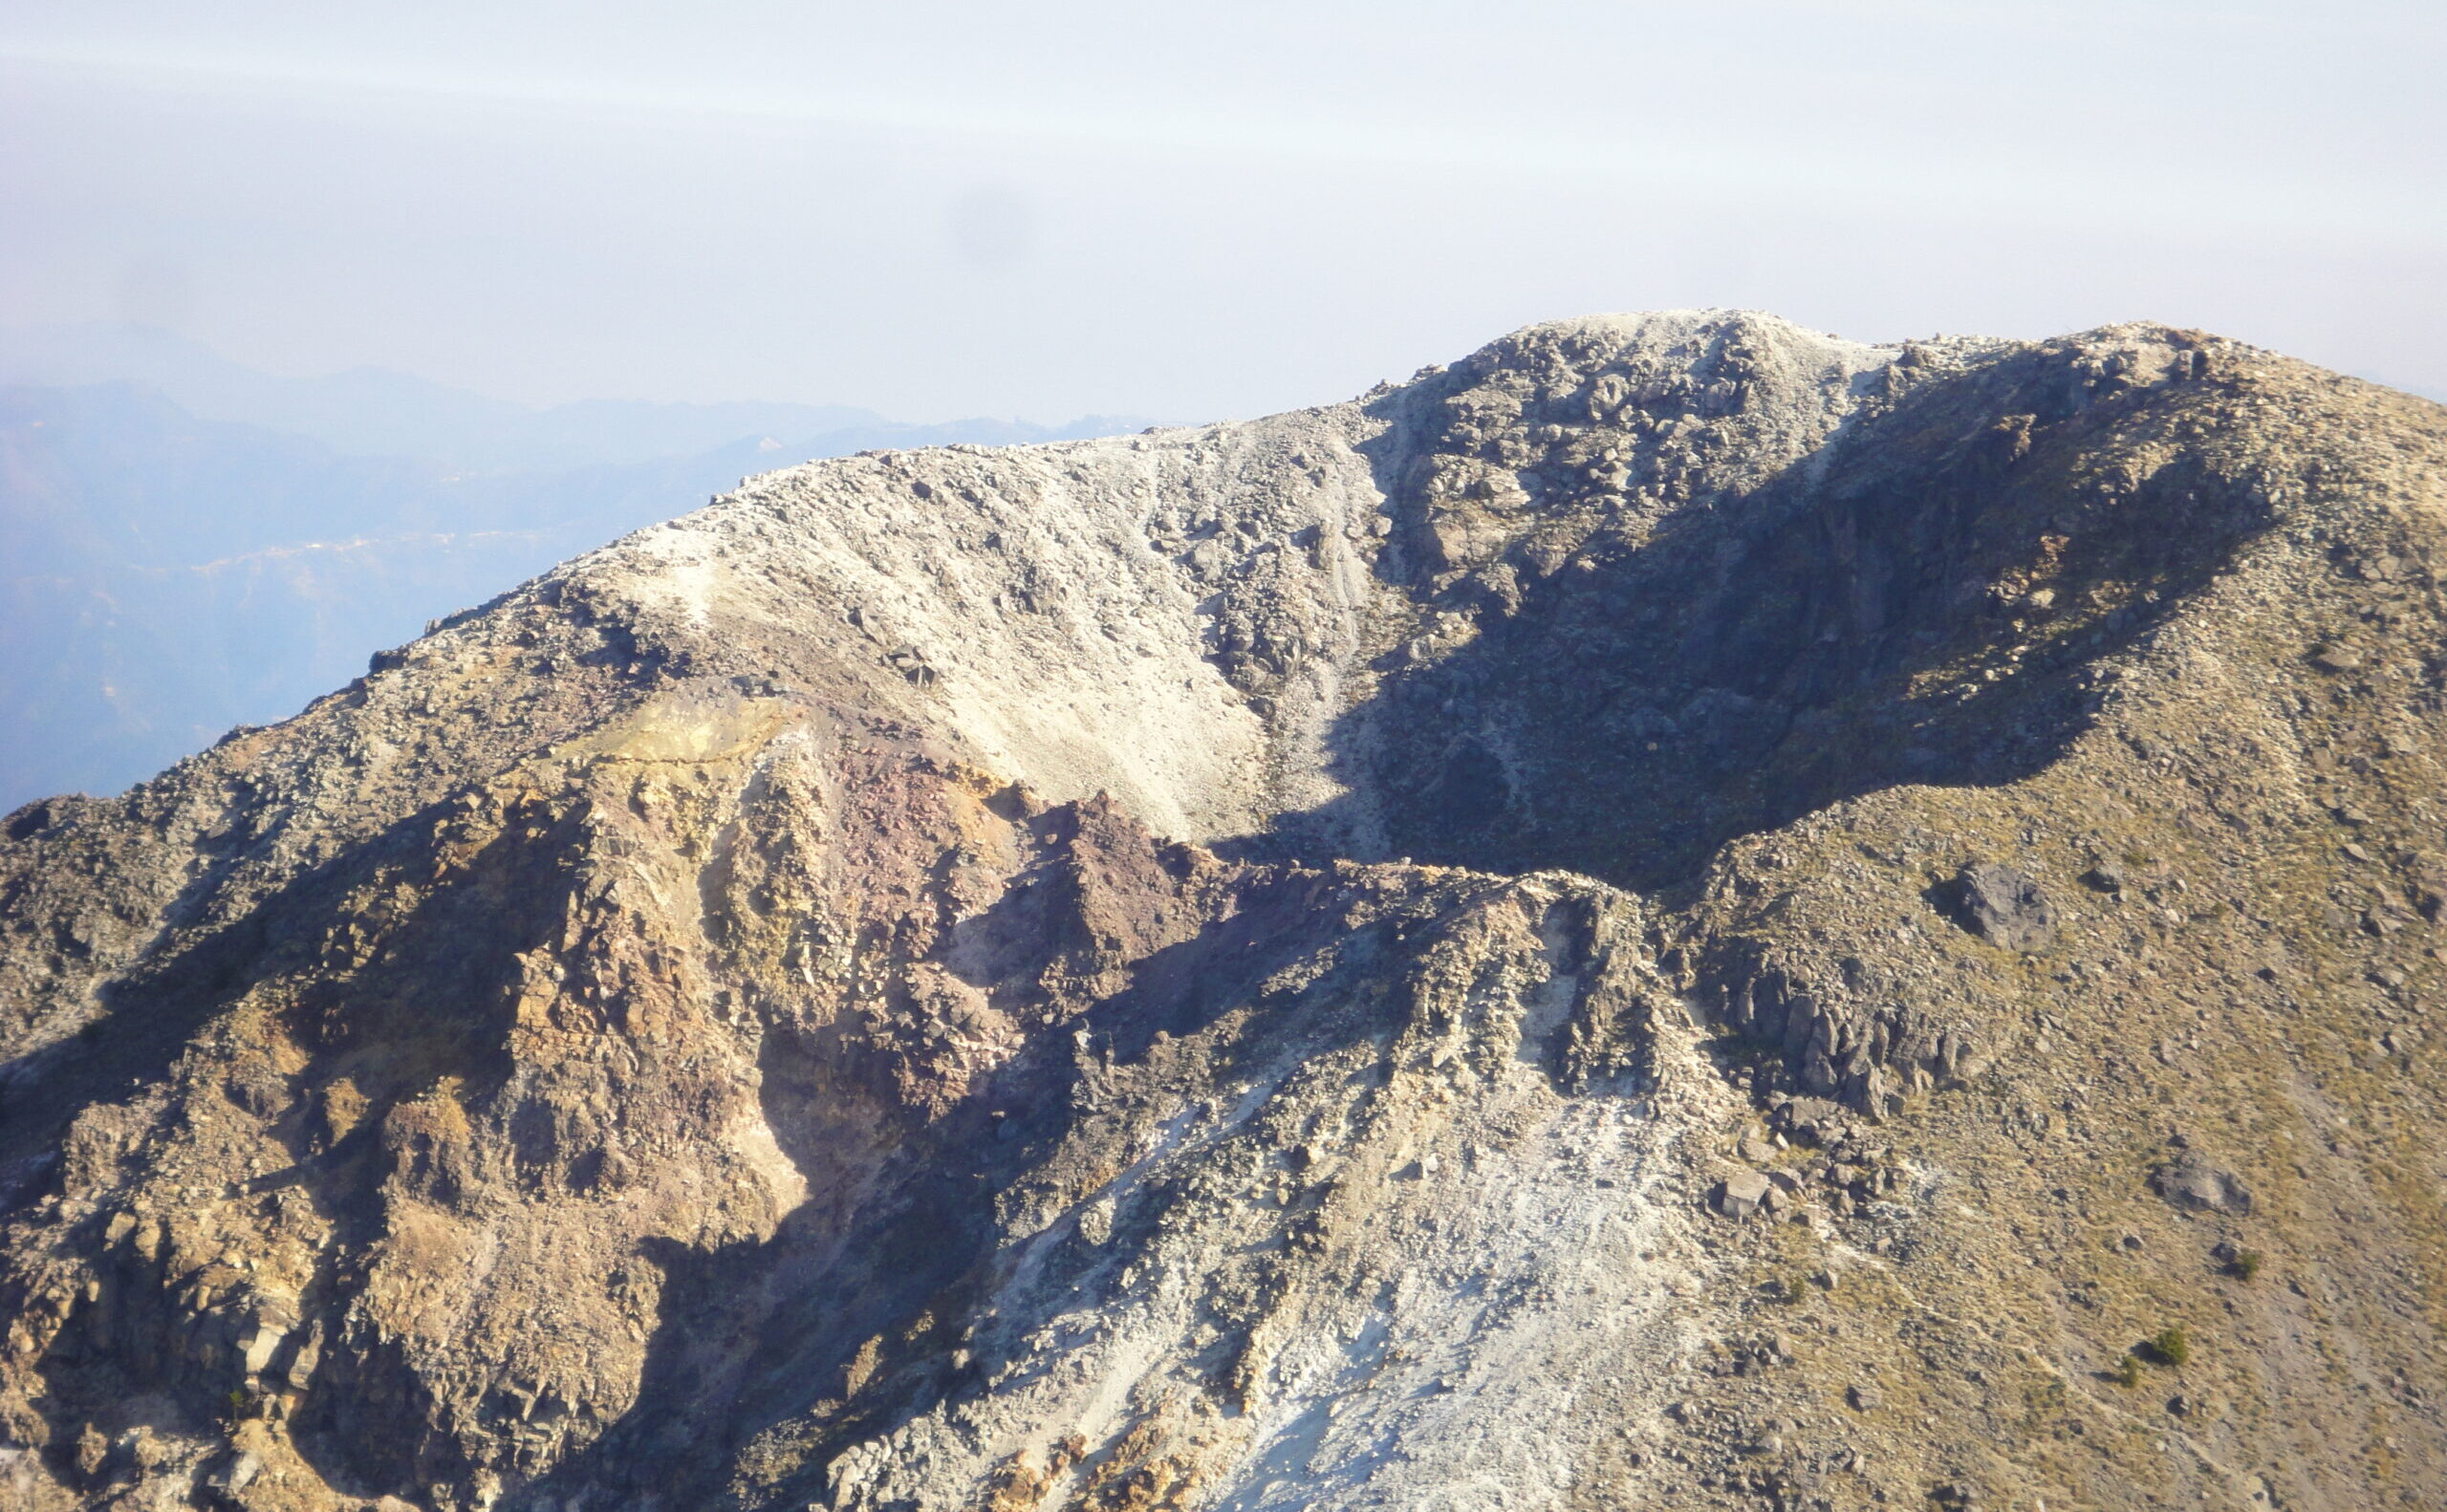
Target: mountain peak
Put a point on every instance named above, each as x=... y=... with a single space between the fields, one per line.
x=1622 y=921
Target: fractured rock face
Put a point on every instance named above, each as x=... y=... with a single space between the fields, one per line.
x=1221 y=969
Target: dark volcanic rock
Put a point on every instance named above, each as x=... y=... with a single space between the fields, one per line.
x=2003 y=906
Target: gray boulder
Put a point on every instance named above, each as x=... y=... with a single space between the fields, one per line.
x=2195 y=1185
x=1741 y=1194
x=2003 y=906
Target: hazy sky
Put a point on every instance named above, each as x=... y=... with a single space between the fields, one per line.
x=1198 y=211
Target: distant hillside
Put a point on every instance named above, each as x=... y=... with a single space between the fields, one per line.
x=165 y=576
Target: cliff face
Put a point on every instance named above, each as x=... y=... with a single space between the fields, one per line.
x=1681 y=909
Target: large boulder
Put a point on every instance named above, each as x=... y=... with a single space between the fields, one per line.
x=1740 y=1194
x=2195 y=1185
x=2003 y=906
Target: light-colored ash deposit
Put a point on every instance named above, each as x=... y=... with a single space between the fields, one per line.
x=1679 y=914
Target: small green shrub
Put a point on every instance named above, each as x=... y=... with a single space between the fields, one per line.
x=2127 y=1373
x=2171 y=1347
x=2248 y=1266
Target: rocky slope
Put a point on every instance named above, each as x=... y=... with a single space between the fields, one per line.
x=1679 y=913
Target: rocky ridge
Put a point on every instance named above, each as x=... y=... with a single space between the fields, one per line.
x=1681 y=909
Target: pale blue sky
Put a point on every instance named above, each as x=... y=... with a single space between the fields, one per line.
x=1199 y=210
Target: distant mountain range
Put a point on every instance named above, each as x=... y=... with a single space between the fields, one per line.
x=191 y=545
x=371 y=412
